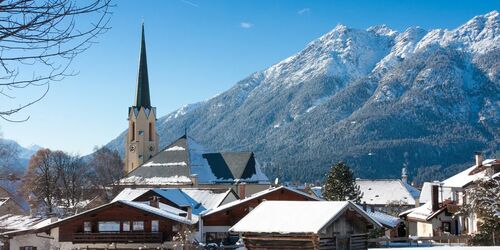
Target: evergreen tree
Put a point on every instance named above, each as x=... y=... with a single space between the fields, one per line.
x=341 y=184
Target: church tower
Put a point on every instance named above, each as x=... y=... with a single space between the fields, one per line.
x=142 y=140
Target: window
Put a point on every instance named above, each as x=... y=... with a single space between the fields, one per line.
x=141 y=132
x=446 y=226
x=87 y=226
x=27 y=248
x=109 y=226
x=126 y=226
x=138 y=226
x=132 y=137
x=155 y=226
x=150 y=131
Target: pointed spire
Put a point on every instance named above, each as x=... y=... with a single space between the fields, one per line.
x=142 y=96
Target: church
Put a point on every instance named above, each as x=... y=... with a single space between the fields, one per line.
x=184 y=162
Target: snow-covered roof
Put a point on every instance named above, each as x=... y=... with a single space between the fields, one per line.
x=255 y=196
x=25 y=222
x=424 y=212
x=160 y=212
x=384 y=191
x=196 y=198
x=3 y=200
x=185 y=158
x=209 y=198
x=130 y=194
x=465 y=177
x=385 y=219
x=295 y=216
x=10 y=222
x=459 y=180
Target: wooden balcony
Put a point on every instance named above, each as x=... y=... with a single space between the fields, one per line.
x=118 y=237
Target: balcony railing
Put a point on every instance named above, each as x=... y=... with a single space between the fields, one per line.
x=118 y=237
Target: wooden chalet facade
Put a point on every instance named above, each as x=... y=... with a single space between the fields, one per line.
x=306 y=225
x=215 y=223
x=120 y=224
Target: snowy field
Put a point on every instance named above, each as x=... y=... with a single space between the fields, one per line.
x=439 y=248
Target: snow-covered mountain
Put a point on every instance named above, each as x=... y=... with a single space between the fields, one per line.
x=18 y=156
x=376 y=98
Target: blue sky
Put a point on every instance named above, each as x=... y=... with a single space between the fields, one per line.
x=197 y=49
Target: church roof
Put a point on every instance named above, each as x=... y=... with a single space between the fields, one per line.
x=183 y=158
x=142 y=98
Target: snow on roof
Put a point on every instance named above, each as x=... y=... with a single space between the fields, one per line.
x=424 y=212
x=168 y=164
x=10 y=222
x=383 y=191
x=185 y=158
x=156 y=180
x=175 y=148
x=158 y=211
x=3 y=200
x=198 y=199
x=209 y=198
x=463 y=178
x=459 y=180
x=294 y=216
x=384 y=219
x=255 y=196
x=130 y=194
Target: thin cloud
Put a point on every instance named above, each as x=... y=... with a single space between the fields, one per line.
x=246 y=25
x=303 y=11
x=190 y=3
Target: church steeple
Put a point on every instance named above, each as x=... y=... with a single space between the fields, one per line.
x=142 y=95
x=142 y=140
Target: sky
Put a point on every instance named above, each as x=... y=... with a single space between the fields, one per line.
x=197 y=49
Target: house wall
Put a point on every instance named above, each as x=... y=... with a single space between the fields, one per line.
x=33 y=240
x=117 y=212
x=424 y=229
x=434 y=227
x=348 y=223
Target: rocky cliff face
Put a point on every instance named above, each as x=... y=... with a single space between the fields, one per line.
x=376 y=98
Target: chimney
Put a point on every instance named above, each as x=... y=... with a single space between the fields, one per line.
x=479 y=159
x=154 y=202
x=194 y=180
x=435 y=197
x=372 y=208
x=364 y=205
x=242 y=190
x=404 y=175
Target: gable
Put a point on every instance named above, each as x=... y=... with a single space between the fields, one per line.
x=232 y=212
x=173 y=160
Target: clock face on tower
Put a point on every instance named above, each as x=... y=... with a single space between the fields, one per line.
x=132 y=148
x=151 y=148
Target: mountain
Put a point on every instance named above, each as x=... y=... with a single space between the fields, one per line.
x=377 y=99
x=18 y=156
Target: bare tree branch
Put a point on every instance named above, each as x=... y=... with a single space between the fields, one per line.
x=40 y=39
